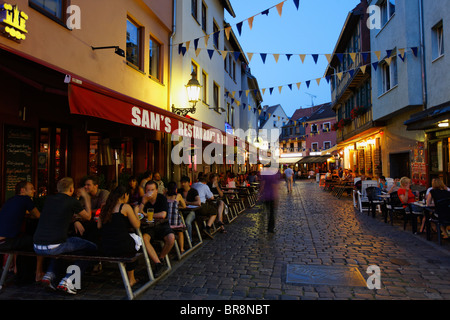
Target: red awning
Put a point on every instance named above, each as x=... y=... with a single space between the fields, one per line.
x=87 y=100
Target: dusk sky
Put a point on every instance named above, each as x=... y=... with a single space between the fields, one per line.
x=313 y=29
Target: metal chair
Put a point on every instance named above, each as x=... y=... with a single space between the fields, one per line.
x=442 y=211
x=374 y=199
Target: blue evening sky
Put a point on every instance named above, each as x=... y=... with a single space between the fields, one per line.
x=313 y=29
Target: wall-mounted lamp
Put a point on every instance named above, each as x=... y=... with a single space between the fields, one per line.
x=117 y=51
x=193 y=92
x=444 y=124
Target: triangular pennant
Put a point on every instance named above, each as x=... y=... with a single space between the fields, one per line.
x=328 y=78
x=296 y=2
x=290 y=86
x=276 y=56
x=183 y=50
x=402 y=52
x=240 y=93
x=353 y=56
x=351 y=72
x=318 y=81
x=340 y=56
x=197 y=52
x=250 y=56
x=270 y=91
x=263 y=90
x=315 y=57
x=339 y=75
x=237 y=54
x=401 y=57
x=378 y=54
x=239 y=27
x=388 y=61
x=224 y=54
x=288 y=56
x=375 y=65
x=365 y=55
x=308 y=83
x=227 y=32
x=210 y=53
x=388 y=53
x=265 y=12
x=363 y=69
x=280 y=8
x=298 y=85
x=188 y=44
x=279 y=88
x=250 y=22
x=263 y=57
x=414 y=51
x=206 y=40
x=328 y=56
x=302 y=57
x=246 y=92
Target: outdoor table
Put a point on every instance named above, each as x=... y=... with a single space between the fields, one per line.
x=385 y=197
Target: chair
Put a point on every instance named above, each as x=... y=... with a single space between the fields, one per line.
x=374 y=199
x=362 y=196
x=395 y=205
x=442 y=211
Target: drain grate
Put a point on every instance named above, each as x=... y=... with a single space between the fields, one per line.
x=324 y=275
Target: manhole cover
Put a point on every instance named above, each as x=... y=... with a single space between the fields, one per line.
x=327 y=275
x=400 y=262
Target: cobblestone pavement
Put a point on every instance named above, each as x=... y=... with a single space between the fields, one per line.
x=313 y=230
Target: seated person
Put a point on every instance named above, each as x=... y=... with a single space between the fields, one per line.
x=395 y=186
x=12 y=216
x=191 y=197
x=147 y=176
x=175 y=201
x=161 y=230
x=208 y=208
x=160 y=184
x=115 y=220
x=135 y=192
x=51 y=236
x=382 y=183
x=438 y=192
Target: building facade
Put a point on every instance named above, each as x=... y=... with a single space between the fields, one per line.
x=72 y=107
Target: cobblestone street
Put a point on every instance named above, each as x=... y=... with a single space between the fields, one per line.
x=315 y=232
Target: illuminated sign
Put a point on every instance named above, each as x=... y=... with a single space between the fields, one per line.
x=13 y=22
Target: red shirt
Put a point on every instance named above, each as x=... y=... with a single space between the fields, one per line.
x=411 y=197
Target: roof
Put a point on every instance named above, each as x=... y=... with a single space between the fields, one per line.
x=323 y=112
x=429 y=118
x=227 y=5
x=301 y=113
x=265 y=113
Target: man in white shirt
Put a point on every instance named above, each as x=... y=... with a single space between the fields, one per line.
x=289 y=177
x=210 y=208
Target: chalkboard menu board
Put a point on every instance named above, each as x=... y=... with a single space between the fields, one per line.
x=19 y=145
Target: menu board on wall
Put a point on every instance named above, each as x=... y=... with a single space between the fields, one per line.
x=19 y=143
x=418 y=166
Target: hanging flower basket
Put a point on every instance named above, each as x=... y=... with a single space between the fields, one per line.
x=343 y=122
x=357 y=112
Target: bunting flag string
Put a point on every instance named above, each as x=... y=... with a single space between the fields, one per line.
x=363 y=68
x=250 y=21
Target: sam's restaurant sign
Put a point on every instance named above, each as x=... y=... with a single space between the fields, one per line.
x=13 y=22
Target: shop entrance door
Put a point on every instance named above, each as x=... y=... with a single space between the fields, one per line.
x=400 y=165
x=52 y=158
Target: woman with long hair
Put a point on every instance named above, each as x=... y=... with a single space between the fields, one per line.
x=175 y=201
x=115 y=220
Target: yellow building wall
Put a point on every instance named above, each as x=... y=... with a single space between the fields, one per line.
x=103 y=23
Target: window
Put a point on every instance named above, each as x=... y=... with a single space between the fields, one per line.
x=53 y=8
x=216 y=37
x=389 y=75
x=216 y=97
x=194 y=68
x=326 y=145
x=234 y=70
x=204 y=11
x=326 y=127
x=155 y=56
x=133 y=44
x=205 y=87
x=194 y=9
x=437 y=41
x=387 y=10
x=313 y=128
x=314 y=146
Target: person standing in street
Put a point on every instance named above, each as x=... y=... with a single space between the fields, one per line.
x=289 y=177
x=269 y=194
